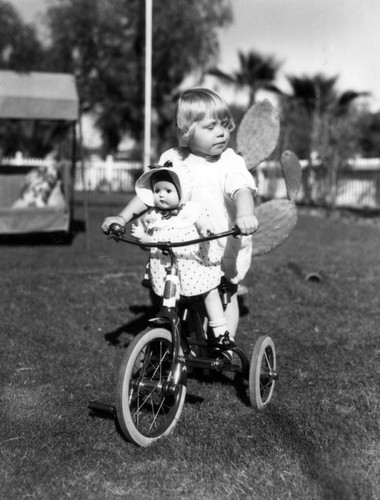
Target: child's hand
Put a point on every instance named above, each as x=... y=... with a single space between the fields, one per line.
x=137 y=232
x=204 y=226
x=247 y=224
x=245 y=219
x=115 y=219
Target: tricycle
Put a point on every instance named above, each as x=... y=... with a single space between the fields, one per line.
x=151 y=381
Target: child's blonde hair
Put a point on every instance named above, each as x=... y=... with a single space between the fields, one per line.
x=196 y=104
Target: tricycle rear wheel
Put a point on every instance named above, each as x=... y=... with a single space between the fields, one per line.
x=262 y=372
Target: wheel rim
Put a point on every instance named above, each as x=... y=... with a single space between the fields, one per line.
x=151 y=408
x=265 y=379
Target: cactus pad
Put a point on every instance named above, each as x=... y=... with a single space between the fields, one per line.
x=258 y=133
x=277 y=219
x=291 y=170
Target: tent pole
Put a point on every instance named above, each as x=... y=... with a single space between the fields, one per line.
x=148 y=83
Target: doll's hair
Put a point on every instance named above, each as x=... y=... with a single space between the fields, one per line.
x=164 y=175
x=196 y=104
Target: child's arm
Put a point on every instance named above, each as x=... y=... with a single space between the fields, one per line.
x=134 y=208
x=245 y=208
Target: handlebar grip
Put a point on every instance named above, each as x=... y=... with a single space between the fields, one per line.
x=115 y=229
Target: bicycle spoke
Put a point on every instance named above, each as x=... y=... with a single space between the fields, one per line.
x=156 y=414
x=149 y=405
x=269 y=366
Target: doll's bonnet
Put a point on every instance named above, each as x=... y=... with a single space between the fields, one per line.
x=180 y=174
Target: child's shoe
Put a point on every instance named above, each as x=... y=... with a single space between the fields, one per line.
x=225 y=341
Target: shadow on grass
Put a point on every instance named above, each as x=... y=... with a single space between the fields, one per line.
x=106 y=411
x=333 y=484
x=237 y=380
x=124 y=334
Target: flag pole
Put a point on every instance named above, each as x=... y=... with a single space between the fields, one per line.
x=148 y=83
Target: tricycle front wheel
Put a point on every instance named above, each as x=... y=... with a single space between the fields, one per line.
x=145 y=407
x=262 y=372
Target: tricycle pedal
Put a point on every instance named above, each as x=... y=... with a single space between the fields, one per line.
x=102 y=408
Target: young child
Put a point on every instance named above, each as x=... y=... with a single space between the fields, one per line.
x=222 y=183
x=171 y=217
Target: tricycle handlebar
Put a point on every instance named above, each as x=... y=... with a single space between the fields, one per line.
x=116 y=231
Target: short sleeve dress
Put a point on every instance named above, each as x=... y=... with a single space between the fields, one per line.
x=215 y=184
x=199 y=265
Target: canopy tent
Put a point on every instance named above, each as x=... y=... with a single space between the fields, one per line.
x=38 y=96
x=47 y=97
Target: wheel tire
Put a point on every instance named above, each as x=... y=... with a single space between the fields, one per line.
x=147 y=414
x=262 y=372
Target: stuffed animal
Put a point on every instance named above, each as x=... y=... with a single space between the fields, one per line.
x=37 y=188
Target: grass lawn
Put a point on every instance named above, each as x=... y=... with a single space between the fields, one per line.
x=67 y=313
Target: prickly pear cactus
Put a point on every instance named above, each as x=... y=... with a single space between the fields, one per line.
x=256 y=139
x=291 y=170
x=258 y=133
x=277 y=219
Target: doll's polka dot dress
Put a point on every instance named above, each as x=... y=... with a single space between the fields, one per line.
x=199 y=265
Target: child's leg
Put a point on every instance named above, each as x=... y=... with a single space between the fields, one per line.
x=232 y=315
x=215 y=312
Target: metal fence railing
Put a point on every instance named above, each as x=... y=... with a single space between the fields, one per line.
x=357 y=185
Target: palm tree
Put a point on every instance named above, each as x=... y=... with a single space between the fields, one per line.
x=327 y=114
x=256 y=72
x=318 y=97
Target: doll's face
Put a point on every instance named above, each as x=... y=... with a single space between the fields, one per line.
x=165 y=195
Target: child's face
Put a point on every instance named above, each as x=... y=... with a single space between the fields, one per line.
x=165 y=195
x=210 y=137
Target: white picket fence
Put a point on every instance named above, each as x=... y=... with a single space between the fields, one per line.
x=358 y=184
x=22 y=161
x=108 y=175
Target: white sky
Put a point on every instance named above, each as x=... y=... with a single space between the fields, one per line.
x=335 y=37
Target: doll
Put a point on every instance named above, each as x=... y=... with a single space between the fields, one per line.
x=171 y=217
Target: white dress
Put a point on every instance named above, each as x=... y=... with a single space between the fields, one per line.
x=199 y=265
x=215 y=184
